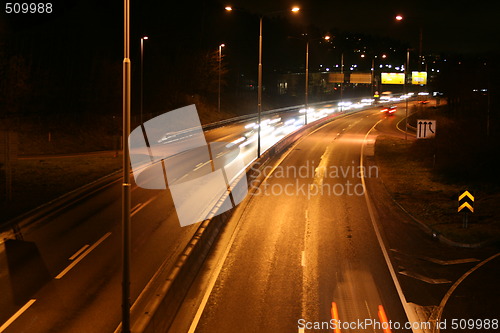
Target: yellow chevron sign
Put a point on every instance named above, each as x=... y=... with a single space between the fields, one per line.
x=466 y=205
x=466 y=200
x=466 y=194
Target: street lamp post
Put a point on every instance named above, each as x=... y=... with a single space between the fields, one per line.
x=142 y=72
x=220 y=65
x=306 y=102
x=259 y=88
x=373 y=83
x=400 y=18
x=373 y=76
x=307 y=82
x=126 y=173
x=259 y=79
x=342 y=82
x=406 y=91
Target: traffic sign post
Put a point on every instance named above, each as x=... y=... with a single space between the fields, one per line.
x=465 y=205
x=426 y=129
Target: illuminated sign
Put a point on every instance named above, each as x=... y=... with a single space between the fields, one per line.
x=393 y=78
x=336 y=78
x=361 y=78
x=418 y=77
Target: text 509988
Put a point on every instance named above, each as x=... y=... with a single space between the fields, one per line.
x=28 y=8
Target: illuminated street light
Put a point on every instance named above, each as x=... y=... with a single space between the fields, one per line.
x=420 y=39
x=220 y=61
x=307 y=77
x=259 y=89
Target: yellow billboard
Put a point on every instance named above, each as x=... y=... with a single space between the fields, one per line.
x=418 y=77
x=393 y=78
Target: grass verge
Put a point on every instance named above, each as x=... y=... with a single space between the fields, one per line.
x=37 y=181
x=430 y=199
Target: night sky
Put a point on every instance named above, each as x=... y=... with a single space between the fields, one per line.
x=449 y=26
x=76 y=51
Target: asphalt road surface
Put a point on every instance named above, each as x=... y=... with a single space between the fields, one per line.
x=297 y=257
x=296 y=252
x=65 y=275
x=307 y=244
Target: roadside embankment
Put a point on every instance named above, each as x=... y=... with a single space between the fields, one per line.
x=425 y=177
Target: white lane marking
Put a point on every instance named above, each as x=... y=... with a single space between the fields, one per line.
x=303 y=258
x=73 y=264
x=423 y=278
x=135 y=207
x=438 y=261
x=141 y=206
x=213 y=280
x=200 y=165
x=370 y=314
x=403 y=131
x=320 y=171
x=78 y=252
x=439 y=310
x=409 y=313
x=16 y=315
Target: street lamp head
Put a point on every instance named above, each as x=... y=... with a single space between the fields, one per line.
x=384 y=56
x=295 y=9
x=327 y=37
x=222 y=45
x=145 y=37
x=362 y=56
x=399 y=17
x=228 y=8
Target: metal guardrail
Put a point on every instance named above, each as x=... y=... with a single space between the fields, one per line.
x=264 y=113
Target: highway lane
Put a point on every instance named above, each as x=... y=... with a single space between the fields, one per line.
x=297 y=252
x=88 y=296
x=45 y=290
x=293 y=255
